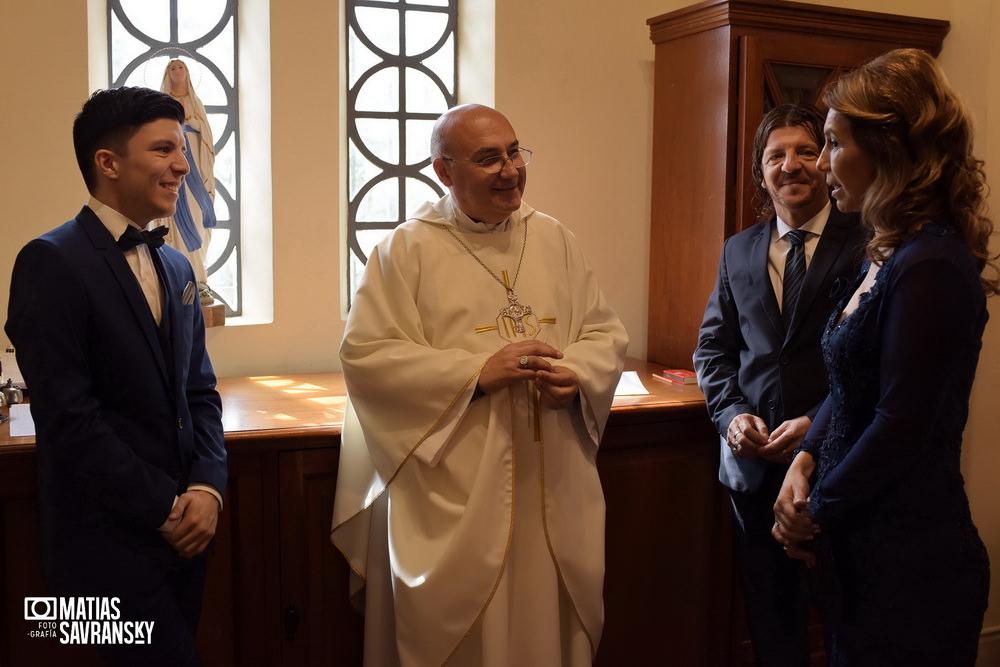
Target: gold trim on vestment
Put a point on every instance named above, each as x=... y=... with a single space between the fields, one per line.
x=346 y=558
x=552 y=553
x=510 y=532
x=511 y=334
x=409 y=455
x=536 y=408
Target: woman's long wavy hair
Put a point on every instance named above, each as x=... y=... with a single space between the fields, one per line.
x=905 y=115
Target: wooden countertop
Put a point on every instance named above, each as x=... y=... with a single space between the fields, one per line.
x=301 y=404
x=312 y=404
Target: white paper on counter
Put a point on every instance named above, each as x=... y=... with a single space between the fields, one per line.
x=630 y=385
x=21 y=423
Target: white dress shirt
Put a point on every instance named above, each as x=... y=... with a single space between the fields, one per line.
x=780 y=246
x=138 y=258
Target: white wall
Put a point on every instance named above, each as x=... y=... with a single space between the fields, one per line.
x=575 y=78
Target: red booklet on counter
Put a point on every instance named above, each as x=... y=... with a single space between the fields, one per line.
x=677 y=376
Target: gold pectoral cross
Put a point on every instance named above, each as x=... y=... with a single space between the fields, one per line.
x=515 y=321
x=515 y=311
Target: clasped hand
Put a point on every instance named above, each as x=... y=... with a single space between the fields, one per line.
x=197 y=515
x=793 y=523
x=748 y=437
x=557 y=385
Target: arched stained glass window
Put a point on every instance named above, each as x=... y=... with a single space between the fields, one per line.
x=401 y=75
x=143 y=36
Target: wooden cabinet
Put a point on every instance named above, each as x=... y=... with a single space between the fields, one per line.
x=720 y=65
x=319 y=626
x=277 y=589
x=276 y=592
x=21 y=570
x=668 y=580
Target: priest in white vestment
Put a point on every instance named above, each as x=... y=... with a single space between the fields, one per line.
x=481 y=360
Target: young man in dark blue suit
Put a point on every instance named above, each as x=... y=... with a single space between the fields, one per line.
x=109 y=335
x=759 y=361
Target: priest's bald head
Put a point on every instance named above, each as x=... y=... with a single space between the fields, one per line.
x=478 y=158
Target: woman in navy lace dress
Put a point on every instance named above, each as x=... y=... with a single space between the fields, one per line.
x=874 y=499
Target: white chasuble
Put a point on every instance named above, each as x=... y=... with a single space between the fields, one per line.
x=477 y=526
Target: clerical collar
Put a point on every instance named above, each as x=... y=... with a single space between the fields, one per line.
x=470 y=225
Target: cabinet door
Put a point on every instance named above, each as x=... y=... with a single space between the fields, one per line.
x=21 y=575
x=319 y=627
x=667 y=579
x=785 y=68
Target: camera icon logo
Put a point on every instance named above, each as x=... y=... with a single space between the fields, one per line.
x=40 y=609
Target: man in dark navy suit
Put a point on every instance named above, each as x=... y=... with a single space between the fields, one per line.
x=109 y=335
x=759 y=362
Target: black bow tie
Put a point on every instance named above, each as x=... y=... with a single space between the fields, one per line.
x=133 y=237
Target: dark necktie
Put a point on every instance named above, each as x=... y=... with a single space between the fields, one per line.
x=133 y=237
x=795 y=272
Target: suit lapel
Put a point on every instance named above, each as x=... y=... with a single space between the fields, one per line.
x=831 y=245
x=124 y=280
x=172 y=315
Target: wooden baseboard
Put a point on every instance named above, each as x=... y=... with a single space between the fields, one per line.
x=989 y=647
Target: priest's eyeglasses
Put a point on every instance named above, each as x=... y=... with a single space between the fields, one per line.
x=494 y=164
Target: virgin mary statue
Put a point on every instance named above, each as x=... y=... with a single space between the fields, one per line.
x=192 y=222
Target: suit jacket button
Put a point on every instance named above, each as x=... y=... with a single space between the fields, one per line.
x=180 y=422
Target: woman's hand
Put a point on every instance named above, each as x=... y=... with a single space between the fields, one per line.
x=793 y=524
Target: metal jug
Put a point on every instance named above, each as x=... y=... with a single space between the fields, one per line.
x=11 y=394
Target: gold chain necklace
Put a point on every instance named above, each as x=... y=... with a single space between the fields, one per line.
x=513 y=310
